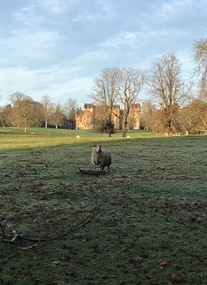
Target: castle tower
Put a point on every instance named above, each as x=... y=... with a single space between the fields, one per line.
x=85 y=117
x=134 y=117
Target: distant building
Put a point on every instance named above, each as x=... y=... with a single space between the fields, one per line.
x=134 y=117
x=86 y=117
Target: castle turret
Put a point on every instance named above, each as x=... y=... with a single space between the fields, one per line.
x=134 y=117
x=85 y=117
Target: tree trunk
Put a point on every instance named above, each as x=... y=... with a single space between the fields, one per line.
x=169 y=128
x=125 y=122
x=124 y=128
x=124 y=132
x=25 y=126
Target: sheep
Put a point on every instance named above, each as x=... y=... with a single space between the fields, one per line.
x=100 y=157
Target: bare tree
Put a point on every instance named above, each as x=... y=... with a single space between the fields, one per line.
x=57 y=115
x=200 y=57
x=5 y=115
x=131 y=81
x=105 y=92
x=70 y=111
x=21 y=109
x=46 y=102
x=150 y=117
x=26 y=113
x=18 y=96
x=169 y=91
x=194 y=116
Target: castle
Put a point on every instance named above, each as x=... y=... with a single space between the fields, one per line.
x=86 y=117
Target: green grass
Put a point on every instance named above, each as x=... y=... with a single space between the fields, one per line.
x=151 y=222
x=11 y=138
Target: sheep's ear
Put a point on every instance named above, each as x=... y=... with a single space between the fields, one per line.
x=100 y=145
x=94 y=145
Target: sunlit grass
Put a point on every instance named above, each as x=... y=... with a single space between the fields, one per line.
x=38 y=137
x=151 y=222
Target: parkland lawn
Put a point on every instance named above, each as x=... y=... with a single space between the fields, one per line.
x=145 y=222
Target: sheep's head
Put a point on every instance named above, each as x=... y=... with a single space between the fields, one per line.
x=97 y=148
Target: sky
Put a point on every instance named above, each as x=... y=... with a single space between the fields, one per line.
x=58 y=47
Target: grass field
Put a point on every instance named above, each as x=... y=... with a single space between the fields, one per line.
x=15 y=138
x=143 y=223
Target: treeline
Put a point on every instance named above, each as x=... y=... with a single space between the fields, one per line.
x=173 y=106
x=25 y=112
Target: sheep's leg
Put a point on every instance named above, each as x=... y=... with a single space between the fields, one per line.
x=102 y=168
x=98 y=168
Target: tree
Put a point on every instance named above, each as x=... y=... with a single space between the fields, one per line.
x=150 y=117
x=200 y=57
x=169 y=91
x=18 y=96
x=21 y=110
x=101 y=122
x=70 y=110
x=105 y=93
x=46 y=103
x=57 y=115
x=130 y=83
x=26 y=112
x=113 y=86
x=5 y=115
x=194 y=116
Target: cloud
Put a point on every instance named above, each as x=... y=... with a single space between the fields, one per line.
x=123 y=38
x=141 y=42
x=55 y=81
x=28 y=17
x=182 y=12
x=58 y=7
x=87 y=17
x=43 y=76
x=99 y=11
x=50 y=46
x=92 y=62
x=29 y=40
x=174 y=15
x=23 y=47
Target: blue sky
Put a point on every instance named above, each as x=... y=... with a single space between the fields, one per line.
x=57 y=47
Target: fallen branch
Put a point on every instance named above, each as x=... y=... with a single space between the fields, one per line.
x=17 y=237
x=11 y=239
